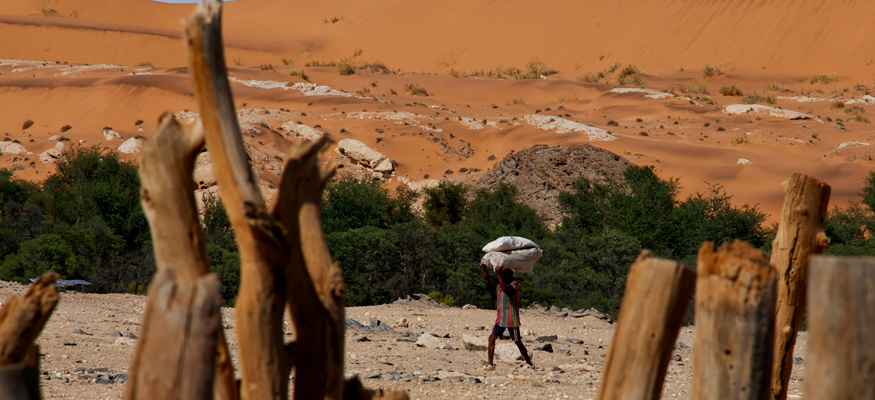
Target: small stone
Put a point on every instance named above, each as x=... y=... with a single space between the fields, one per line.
x=116 y=334
x=743 y=161
x=69 y=343
x=796 y=377
x=374 y=376
x=101 y=369
x=676 y=357
x=797 y=360
x=81 y=332
x=545 y=347
x=563 y=351
x=103 y=381
x=446 y=361
x=682 y=346
x=573 y=341
x=120 y=378
x=537 y=385
x=130 y=335
x=417 y=368
x=361 y=339
x=551 y=338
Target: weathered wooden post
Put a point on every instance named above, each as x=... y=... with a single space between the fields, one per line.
x=800 y=234
x=657 y=294
x=21 y=321
x=735 y=322
x=841 y=329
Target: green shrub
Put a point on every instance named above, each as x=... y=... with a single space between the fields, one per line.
x=691 y=87
x=347 y=66
x=445 y=204
x=631 y=75
x=443 y=299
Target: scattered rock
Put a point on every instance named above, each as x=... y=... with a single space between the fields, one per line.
x=379 y=326
x=682 y=346
x=551 y=338
x=743 y=161
x=365 y=156
x=563 y=351
x=417 y=368
x=130 y=146
x=81 y=332
x=50 y=156
x=796 y=377
x=851 y=159
x=69 y=343
x=402 y=322
x=797 y=360
x=475 y=343
x=203 y=171
x=120 y=378
x=375 y=376
x=11 y=148
x=508 y=352
x=110 y=134
x=469 y=307
x=429 y=341
x=573 y=341
x=545 y=347
x=676 y=357
x=116 y=334
x=130 y=335
x=361 y=339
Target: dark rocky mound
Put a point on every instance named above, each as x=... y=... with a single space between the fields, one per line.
x=542 y=172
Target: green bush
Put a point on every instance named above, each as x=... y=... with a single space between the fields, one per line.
x=443 y=299
x=445 y=204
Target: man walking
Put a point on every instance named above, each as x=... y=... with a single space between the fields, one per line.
x=508 y=304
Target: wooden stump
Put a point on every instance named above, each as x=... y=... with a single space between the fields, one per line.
x=735 y=317
x=800 y=234
x=841 y=329
x=19 y=382
x=656 y=298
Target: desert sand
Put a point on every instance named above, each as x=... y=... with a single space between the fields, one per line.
x=82 y=359
x=94 y=65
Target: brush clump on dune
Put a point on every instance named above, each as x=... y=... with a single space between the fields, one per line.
x=145 y=64
x=266 y=67
x=731 y=90
x=631 y=75
x=415 y=90
x=824 y=78
x=300 y=74
x=855 y=114
x=775 y=86
x=711 y=71
x=534 y=70
x=594 y=77
x=754 y=98
x=691 y=87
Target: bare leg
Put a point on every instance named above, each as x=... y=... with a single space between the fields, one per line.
x=523 y=350
x=491 y=347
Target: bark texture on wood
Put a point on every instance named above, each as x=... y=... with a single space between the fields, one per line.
x=166 y=168
x=19 y=382
x=23 y=318
x=735 y=320
x=263 y=247
x=657 y=294
x=841 y=331
x=176 y=352
x=800 y=234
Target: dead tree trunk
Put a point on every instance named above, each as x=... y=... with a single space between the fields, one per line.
x=841 y=329
x=735 y=311
x=657 y=294
x=176 y=355
x=800 y=234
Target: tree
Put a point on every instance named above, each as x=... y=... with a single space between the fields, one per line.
x=445 y=204
x=352 y=204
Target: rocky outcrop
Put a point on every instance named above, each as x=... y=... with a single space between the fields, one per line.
x=359 y=153
x=11 y=148
x=542 y=172
x=131 y=146
x=760 y=109
x=50 y=156
x=302 y=131
x=203 y=171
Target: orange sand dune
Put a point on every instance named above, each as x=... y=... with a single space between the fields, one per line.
x=784 y=36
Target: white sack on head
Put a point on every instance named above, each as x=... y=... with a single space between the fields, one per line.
x=522 y=261
x=506 y=243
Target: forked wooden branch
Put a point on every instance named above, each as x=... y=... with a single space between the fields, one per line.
x=841 y=329
x=315 y=283
x=735 y=322
x=800 y=234
x=657 y=294
x=182 y=324
x=263 y=248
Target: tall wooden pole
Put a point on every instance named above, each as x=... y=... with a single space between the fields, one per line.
x=657 y=294
x=735 y=322
x=800 y=234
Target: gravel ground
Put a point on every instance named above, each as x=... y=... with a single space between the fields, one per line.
x=83 y=360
